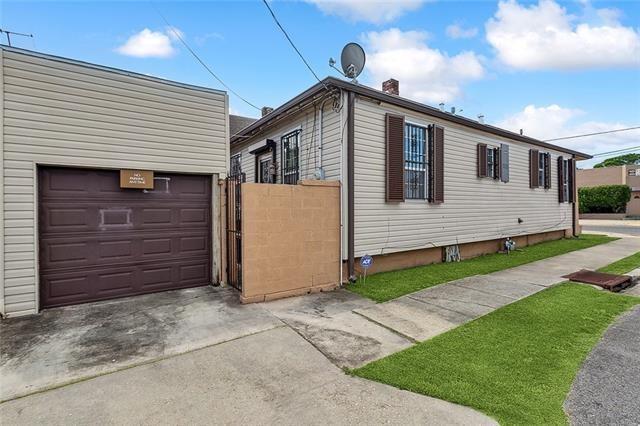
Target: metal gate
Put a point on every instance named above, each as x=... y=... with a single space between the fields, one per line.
x=234 y=230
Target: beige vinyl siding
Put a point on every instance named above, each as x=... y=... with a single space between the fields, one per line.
x=309 y=146
x=61 y=112
x=474 y=209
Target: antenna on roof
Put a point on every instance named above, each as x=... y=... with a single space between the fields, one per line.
x=352 y=60
x=8 y=33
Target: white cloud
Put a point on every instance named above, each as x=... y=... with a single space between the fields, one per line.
x=545 y=36
x=201 y=40
x=554 y=121
x=425 y=74
x=375 y=11
x=458 y=31
x=151 y=44
x=175 y=34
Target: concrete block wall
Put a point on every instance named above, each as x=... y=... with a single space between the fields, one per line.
x=290 y=239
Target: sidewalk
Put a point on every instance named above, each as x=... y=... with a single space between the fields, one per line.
x=427 y=313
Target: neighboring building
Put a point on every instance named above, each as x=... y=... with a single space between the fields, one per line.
x=414 y=178
x=70 y=232
x=615 y=175
x=238 y=122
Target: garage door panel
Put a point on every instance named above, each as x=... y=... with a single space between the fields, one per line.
x=93 y=284
x=98 y=241
x=57 y=217
x=110 y=251
x=99 y=184
x=92 y=250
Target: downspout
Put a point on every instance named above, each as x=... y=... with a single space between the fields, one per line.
x=574 y=207
x=350 y=183
x=320 y=142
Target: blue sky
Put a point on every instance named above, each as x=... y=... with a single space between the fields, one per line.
x=551 y=68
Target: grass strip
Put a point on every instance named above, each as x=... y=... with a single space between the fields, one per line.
x=390 y=285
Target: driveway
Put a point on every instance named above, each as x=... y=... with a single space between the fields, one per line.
x=270 y=377
x=67 y=344
x=607 y=388
x=615 y=228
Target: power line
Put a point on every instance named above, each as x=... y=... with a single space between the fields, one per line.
x=593 y=134
x=179 y=37
x=273 y=15
x=618 y=151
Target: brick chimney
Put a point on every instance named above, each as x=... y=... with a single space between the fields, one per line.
x=391 y=86
x=266 y=110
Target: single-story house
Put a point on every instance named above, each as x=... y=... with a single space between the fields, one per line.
x=415 y=179
x=110 y=182
x=616 y=175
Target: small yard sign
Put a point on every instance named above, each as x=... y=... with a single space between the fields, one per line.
x=366 y=261
x=140 y=179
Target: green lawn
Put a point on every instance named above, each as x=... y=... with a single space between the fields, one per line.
x=389 y=285
x=517 y=363
x=623 y=266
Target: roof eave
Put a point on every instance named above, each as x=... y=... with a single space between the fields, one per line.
x=409 y=104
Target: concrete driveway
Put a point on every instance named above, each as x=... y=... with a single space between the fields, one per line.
x=68 y=344
x=272 y=377
x=267 y=373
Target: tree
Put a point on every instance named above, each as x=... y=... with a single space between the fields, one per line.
x=621 y=160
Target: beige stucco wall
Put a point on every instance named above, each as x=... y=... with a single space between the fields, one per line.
x=633 y=206
x=290 y=239
x=601 y=176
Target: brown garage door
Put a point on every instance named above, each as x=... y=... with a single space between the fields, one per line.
x=98 y=241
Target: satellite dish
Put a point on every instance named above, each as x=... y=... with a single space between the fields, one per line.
x=352 y=60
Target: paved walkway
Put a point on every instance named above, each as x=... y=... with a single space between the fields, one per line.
x=272 y=377
x=606 y=391
x=427 y=313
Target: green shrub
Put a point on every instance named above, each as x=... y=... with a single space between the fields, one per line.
x=604 y=199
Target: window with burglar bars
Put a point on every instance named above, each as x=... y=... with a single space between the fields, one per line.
x=491 y=162
x=542 y=159
x=236 y=165
x=415 y=162
x=265 y=171
x=290 y=147
x=565 y=181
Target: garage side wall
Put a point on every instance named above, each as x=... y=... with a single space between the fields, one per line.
x=59 y=112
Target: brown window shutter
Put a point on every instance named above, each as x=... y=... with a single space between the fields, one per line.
x=561 y=180
x=533 y=168
x=395 y=157
x=572 y=181
x=482 y=160
x=547 y=171
x=497 y=163
x=438 y=165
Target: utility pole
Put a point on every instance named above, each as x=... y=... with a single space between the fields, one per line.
x=8 y=33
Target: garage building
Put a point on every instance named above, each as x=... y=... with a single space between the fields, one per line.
x=110 y=182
